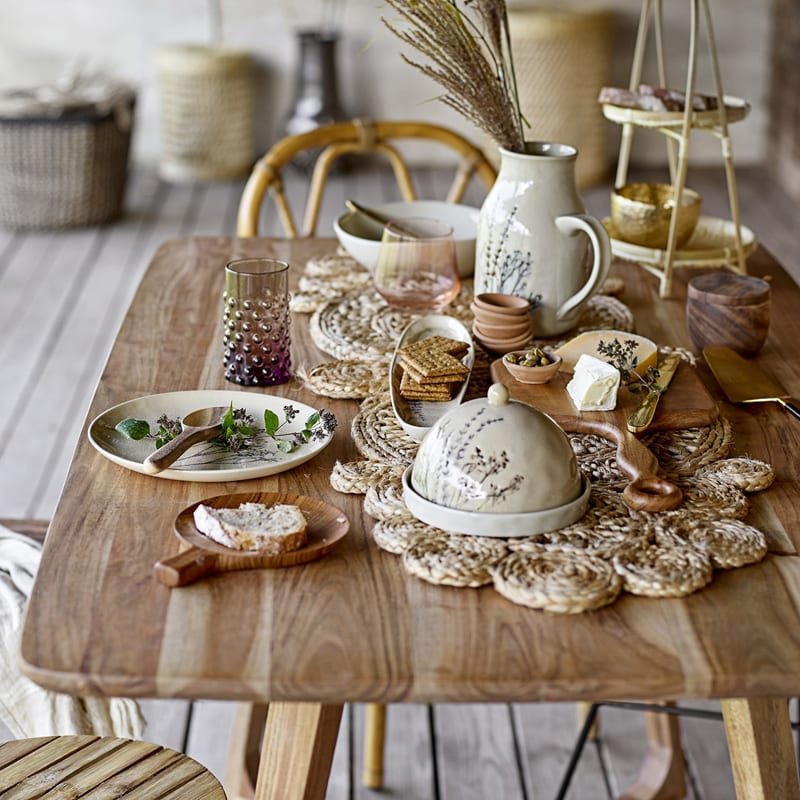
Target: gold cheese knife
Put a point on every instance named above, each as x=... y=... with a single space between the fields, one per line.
x=642 y=416
x=743 y=381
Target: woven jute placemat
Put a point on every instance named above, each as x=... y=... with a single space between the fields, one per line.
x=666 y=554
x=578 y=568
x=350 y=320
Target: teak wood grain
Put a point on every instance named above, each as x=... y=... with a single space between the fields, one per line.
x=354 y=626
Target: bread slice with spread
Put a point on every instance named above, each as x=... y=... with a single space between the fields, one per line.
x=270 y=530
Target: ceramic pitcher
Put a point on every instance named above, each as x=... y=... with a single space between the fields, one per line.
x=531 y=240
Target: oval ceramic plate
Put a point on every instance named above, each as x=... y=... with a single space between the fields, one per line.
x=327 y=526
x=416 y=417
x=210 y=461
x=502 y=525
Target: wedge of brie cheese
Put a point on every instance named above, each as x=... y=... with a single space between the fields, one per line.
x=594 y=385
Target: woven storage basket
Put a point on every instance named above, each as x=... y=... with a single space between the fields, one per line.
x=562 y=58
x=58 y=172
x=207 y=102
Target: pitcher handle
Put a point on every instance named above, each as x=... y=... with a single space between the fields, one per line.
x=571 y=224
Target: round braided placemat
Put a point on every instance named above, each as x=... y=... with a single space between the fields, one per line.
x=378 y=435
x=658 y=571
x=748 y=474
x=355 y=477
x=348 y=377
x=384 y=500
x=395 y=536
x=557 y=580
x=333 y=265
x=363 y=325
x=453 y=559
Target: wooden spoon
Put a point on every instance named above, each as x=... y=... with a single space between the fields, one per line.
x=198 y=426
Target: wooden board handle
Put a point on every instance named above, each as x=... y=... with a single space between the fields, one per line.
x=646 y=491
x=186 y=567
x=652 y=494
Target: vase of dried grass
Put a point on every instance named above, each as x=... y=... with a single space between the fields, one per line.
x=535 y=239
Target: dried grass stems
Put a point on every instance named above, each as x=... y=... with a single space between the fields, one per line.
x=474 y=65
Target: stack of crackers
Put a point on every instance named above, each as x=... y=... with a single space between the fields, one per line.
x=431 y=368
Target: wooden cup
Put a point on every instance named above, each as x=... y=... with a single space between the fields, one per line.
x=728 y=309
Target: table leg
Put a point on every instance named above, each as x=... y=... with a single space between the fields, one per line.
x=663 y=773
x=244 y=751
x=297 y=751
x=760 y=746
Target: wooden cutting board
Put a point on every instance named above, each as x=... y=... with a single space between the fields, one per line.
x=685 y=404
x=202 y=556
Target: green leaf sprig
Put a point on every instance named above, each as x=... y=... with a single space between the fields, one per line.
x=168 y=429
x=317 y=427
x=237 y=428
x=621 y=355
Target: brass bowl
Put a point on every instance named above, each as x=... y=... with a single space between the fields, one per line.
x=641 y=213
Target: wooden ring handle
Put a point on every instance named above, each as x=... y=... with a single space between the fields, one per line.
x=652 y=494
x=186 y=567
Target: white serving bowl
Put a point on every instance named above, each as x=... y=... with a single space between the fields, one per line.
x=362 y=237
x=496 y=467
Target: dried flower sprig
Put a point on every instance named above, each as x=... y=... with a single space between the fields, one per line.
x=474 y=66
x=237 y=428
x=318 y=426
x=622 y=356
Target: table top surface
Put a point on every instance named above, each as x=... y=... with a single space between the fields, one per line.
x=353 y=625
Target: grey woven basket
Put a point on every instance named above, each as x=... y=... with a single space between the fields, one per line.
x=64 y=171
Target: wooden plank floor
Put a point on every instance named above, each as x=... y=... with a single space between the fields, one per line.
x=62 y=297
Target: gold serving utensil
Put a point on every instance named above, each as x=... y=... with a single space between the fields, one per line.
x=744 y=382
x=198 y=426
x=642 y=416
x=377 y=217
x=371 y=214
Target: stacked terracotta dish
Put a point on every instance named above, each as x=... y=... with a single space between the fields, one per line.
x=502 y=322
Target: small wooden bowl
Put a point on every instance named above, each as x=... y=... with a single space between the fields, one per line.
x=501 y=346
x=496 y=317
x=531 y=374
x=505 y=331
x=502 y=303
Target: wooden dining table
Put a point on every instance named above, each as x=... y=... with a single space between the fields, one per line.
x=353 y=626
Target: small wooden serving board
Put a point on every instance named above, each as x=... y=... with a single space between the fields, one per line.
x=685 y=404
x=202 y=556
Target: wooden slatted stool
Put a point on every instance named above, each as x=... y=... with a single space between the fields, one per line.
x=100 y=768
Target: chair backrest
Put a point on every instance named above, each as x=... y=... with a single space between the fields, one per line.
x=342 y=138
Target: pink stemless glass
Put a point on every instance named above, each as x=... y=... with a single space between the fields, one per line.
x=256 y=322
x=417 y=264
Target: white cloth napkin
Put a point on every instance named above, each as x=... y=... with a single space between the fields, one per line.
x=79 y=91
x=25 y=708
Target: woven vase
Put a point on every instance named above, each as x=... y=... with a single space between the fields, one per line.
x=207 y=108
x=562 y=58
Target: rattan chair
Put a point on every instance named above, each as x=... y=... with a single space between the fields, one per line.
x=343 y=139
x=332 y=142
x=78 y=767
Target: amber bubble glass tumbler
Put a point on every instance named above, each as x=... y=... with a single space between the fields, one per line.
x=417 y=264
x=256 y=322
